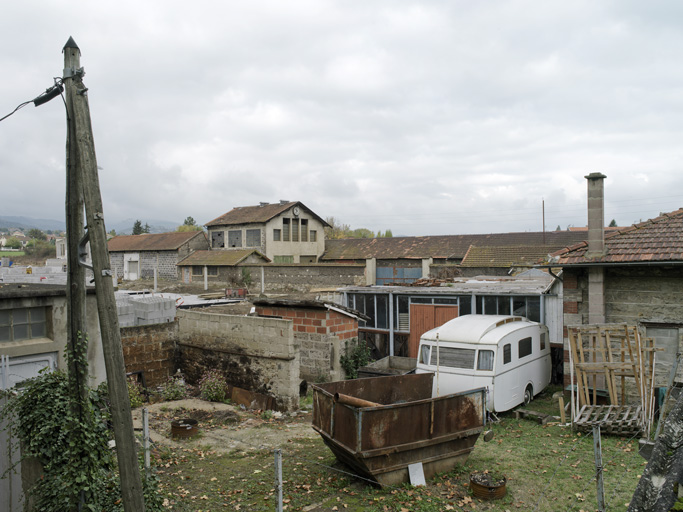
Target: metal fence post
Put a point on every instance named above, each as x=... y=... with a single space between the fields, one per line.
x=597 y=447
x=278 y=479
x=145 y=439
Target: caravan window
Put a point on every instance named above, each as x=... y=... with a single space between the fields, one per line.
x=542 y=341
x=485 y=361
x=507 y=354
x=454 y=357
x=424 y=354
x=524 y=347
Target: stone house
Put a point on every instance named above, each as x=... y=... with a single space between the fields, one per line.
x=285 y=232
x=633 y=275
x=220 y=266
x=138 y=256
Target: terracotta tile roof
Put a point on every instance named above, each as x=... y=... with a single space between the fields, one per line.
x=257 y=214
x=506 y=256
x=220 y=258
x=655 y=240
x=452 y=247
x=152 y=241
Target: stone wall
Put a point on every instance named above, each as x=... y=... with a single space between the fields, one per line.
x=150 y=349
x=322 y=334
x=258 y=354
x=288 y=278
x=164 y=261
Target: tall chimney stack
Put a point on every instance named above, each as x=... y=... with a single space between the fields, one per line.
x=596 y=215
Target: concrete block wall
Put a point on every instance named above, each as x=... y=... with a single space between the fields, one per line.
x=322 y=334
x=150 y=349
x=144 y=310
x=163 y=261
x=258 y=354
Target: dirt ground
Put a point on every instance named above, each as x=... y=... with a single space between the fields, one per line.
x=226 y=428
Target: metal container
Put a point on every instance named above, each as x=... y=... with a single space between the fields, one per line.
x=184 y=428
x=410 y=426
x=488 y=492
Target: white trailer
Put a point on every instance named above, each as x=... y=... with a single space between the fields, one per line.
x=508 y=355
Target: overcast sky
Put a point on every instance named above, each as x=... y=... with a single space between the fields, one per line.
x=439 y=117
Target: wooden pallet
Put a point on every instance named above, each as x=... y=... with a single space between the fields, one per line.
x=621 y=420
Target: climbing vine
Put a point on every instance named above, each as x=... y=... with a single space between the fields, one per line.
x=66 y=432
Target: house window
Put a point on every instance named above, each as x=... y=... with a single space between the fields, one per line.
x=217 y=239
x=277 y=235
x=313 y=235
x=283 y=259
x=197 y=270
x=485 y=360
x=285 y=230
x=295 y=230
x=212 y=271
x=304 y=230
x=23 y=323
x=524 y=347
x=235 y=238
x=253 y=238
x=507 y=353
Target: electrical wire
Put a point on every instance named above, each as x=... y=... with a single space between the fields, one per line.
x=44 y=97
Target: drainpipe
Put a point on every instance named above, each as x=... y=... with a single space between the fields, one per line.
x=391 y=324
x=596 y=247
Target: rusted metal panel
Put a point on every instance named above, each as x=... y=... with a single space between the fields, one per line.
x=410 y=426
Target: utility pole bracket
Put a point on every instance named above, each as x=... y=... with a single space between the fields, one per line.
x=107 y=272
x=83 y=251
x=71 y=72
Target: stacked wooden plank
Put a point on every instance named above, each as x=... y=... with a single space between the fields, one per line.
x=614 y=358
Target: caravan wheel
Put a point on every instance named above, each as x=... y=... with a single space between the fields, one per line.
x=528 y=394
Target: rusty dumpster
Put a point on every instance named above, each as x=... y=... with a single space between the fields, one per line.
x=403 y=425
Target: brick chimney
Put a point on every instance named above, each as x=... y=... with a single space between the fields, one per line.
x=596 y=215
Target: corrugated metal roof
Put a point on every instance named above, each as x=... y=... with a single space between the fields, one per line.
x=258 y=214
x=443 y=246
x=152 y=241
x=655 y=240
x=220 y=258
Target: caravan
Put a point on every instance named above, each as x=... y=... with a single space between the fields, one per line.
x=508 y=355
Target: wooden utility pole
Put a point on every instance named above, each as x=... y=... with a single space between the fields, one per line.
x=75 y=285
x=79 y=115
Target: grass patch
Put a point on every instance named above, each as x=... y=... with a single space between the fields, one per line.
x=548 y=468
x=11 y=254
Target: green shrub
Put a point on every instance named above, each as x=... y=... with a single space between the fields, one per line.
x=357 y=354
x=174 y=389
x=136 y=393
x=212 y=386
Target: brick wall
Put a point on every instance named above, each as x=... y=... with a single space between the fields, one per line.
x=151 y=349
x=322 y=334
x=258 y=354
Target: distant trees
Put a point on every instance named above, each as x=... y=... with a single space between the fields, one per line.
x=139 y=229
x=339 y=230
x=13 y=243
x=189 y=225
x=36 y=234
x=613 y=224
